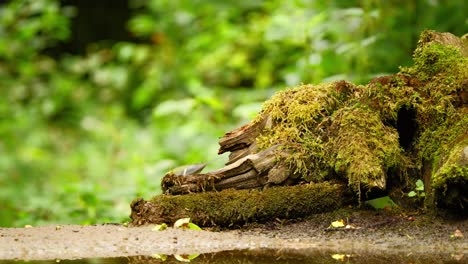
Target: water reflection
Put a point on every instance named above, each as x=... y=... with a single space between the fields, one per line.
x=271 y=256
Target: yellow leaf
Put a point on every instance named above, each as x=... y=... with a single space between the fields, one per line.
x=193 y=226
x=339 y=223
x=338 y=256
x=159 y=227
x=159 y=256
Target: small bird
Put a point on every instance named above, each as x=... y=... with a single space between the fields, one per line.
x=188 y=169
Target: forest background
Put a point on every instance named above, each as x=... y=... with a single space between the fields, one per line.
x=99 y=99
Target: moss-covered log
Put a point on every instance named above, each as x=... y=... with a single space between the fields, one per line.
x=237 y=207
x=398 y=128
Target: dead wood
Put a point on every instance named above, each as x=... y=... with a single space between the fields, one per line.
x=251 y=171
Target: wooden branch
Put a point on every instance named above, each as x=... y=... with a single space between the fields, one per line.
x=241 y=153
x=243 y=173
x=242 y=137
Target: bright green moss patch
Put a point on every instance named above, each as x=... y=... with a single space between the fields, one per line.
x=363 y=147
x=236 y=207
x=299 y=116
x=442 y=137
x=324 y=137
x=388 y=94
x=452 y=170
x=451 y=158
x=434 y=59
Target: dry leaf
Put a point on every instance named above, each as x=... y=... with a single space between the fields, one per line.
x=458 y=234
x=339 y=223
x=338 y=256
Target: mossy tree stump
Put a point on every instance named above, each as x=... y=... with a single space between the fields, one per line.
x=398 y=128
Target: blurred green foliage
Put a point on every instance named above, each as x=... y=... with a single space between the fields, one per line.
x=83 y=134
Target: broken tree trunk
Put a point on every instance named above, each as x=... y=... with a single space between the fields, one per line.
x=359 y=135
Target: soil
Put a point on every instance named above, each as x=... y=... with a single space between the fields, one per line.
x=369 y=232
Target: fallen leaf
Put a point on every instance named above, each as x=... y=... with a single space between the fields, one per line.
x=182 y=258
x=458 y=234
x=339 y=223
x=159 y=227
x=381 y=203
x=182 y=223
x=193 y=226
x=159 y=256
x=458 y=257
x=338 y=256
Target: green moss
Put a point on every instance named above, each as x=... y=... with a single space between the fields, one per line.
x=444 y=69
x=298 y=117
x=450 y=179
x=388 y=94
x=363 y=147
x=440 y=138
x=434 y=59
x=450 y=163
x=237 y=207
x=326 y=132
x=442 y=115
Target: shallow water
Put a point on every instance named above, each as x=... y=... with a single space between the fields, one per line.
x=270 y=256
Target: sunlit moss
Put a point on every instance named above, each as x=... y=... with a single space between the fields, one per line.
x=299 y=117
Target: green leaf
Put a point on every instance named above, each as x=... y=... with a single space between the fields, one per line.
x=381 y=203
x=412 y=194
x=419 y=185
x=193 y=226
x=142 y=25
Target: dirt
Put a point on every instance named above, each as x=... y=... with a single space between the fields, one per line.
x=368 y=232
